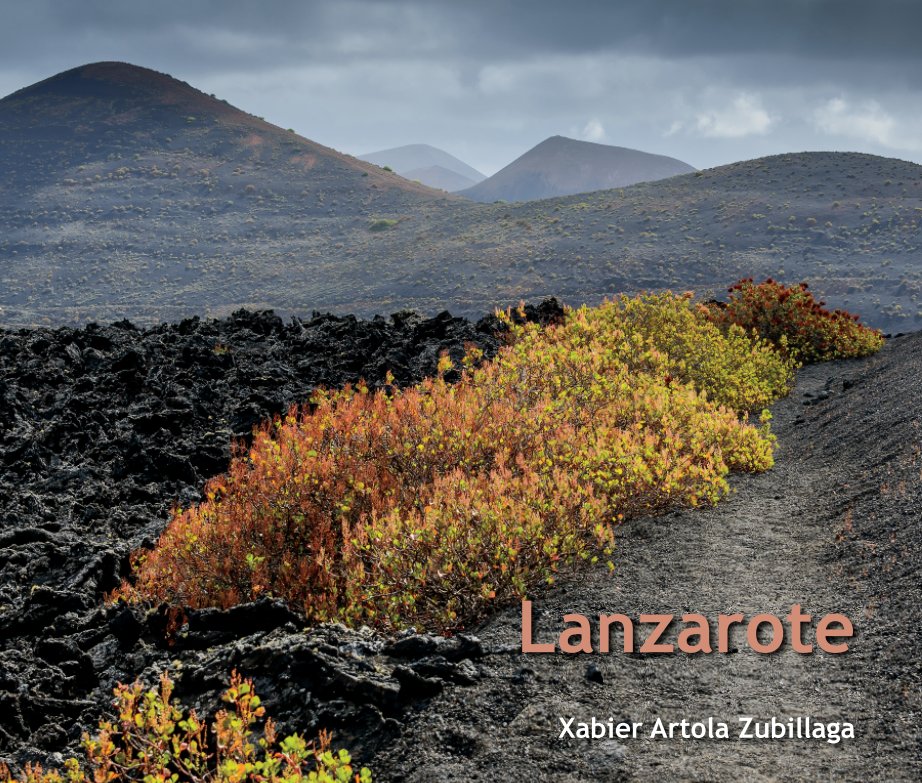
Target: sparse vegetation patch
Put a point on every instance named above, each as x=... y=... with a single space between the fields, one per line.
x=153 y=740
x=382 y=224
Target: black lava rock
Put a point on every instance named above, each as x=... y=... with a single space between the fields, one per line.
x=102 y=431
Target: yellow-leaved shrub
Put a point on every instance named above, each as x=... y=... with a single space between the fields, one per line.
x=152 y=739
x=427 y=505
x=732 y=368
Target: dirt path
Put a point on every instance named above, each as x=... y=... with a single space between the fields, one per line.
x=772 y=544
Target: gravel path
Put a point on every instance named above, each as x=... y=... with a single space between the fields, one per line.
x=834 y=527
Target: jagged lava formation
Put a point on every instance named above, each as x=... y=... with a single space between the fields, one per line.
x=102 y=430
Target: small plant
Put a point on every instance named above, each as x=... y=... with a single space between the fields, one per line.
x=382 y=224
x=795 y=322
x=154 y=741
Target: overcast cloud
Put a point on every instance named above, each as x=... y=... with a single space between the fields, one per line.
x=706 y=81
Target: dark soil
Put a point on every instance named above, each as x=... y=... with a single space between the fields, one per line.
x=102 y=429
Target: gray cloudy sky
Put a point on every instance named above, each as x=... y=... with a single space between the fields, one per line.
x=707 y=81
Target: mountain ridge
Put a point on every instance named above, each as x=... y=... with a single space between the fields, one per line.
x=439 y=177
x=169 y=214
x=113 y=97
x=409 y=156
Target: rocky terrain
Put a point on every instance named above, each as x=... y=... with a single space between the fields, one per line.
x=127 y=194
x=102 y=430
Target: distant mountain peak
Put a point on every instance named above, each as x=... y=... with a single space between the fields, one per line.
x=561 y=166
x=428 y=164
x=440 y=178
x=117 y=70
x=129 y=125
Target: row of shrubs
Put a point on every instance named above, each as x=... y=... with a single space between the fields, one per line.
x=429 y=505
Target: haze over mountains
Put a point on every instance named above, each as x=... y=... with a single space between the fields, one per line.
x=428 y=165
x=559 y=166
x=126 y=193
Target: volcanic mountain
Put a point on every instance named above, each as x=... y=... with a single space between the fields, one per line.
x=429 y=165
x=559 y=166
x=131 y=177
x=125 y=193
x=439 y=177
x=105 y=112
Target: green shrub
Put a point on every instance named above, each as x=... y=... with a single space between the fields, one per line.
x=382 y=224
x=154 y=741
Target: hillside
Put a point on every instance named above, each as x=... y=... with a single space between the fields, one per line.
x=559 y=166
x=427 y=164
x=118 y=178
x=124 y=193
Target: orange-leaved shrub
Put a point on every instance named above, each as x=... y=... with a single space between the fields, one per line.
x=792 y=319
x=153 y=740
x=427 y=505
